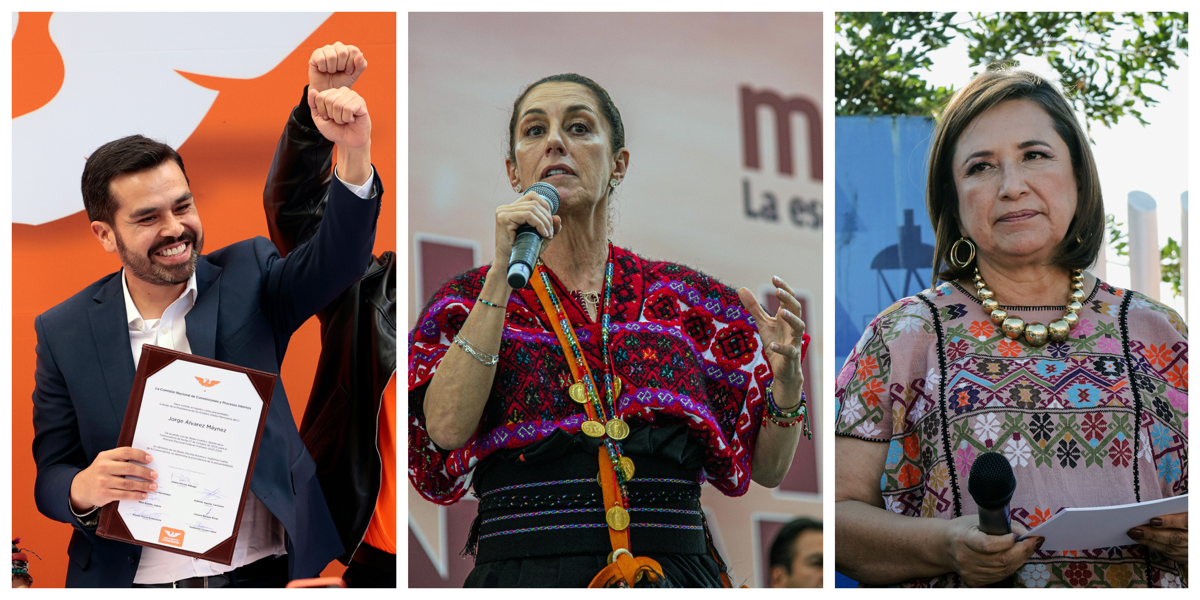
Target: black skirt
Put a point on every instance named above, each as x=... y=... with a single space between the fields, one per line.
x=541 y=512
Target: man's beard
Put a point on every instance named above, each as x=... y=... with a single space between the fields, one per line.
x=146 y=269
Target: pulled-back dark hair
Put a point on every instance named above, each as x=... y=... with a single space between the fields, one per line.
x=126 y=155
x=1081 y=245
x=616 y=129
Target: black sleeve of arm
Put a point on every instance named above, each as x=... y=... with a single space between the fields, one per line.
x=298 y=183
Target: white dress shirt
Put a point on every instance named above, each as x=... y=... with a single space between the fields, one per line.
x=261 y=534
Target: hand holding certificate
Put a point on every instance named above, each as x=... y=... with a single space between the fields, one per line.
x=198 y=422
x=116 y=474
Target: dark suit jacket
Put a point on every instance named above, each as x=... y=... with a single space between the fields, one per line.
x=249 y=302
x=341 y=422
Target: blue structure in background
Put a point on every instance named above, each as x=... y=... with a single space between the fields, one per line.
x=841 y=581
x=884 y=244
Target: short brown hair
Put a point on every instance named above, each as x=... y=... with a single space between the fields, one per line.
x=126 y=155
x=1079 y=248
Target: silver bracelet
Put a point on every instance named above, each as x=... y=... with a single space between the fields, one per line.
x=488 y=360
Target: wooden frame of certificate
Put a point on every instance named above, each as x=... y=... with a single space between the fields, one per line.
x=153 y=360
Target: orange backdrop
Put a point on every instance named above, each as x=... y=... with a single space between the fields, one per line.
x=227 y=159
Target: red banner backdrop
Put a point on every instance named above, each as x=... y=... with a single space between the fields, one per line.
x=227 y=157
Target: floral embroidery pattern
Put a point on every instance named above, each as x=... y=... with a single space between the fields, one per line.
x=1078 y=574
x=1034 y=575
x=1062 y=412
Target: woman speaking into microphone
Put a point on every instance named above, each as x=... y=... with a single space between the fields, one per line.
x=589 y=406
x=1081 y=386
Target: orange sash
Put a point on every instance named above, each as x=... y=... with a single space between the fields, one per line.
x=623 y=567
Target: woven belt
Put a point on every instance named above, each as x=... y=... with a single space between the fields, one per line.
x=549 y=510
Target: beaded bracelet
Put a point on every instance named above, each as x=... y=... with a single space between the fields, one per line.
x=774 y=410
x=782 y=423
x=488 y=360
x=800 y=414
x=490 y=303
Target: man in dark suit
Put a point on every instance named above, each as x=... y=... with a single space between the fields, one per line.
x=240 y=305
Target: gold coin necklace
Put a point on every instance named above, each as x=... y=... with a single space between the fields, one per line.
x=601 y=420
x=1036 y=334
x=611 y=428
x=617 y=516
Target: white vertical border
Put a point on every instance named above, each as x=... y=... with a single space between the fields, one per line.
x=402 y=258
x=829 y=305
x=6 y=273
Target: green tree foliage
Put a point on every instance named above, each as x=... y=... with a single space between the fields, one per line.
x=1170 y=267
x=1117 y=238
x=1107 y=61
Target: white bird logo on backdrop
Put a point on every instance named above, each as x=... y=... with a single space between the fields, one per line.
x=121 y=76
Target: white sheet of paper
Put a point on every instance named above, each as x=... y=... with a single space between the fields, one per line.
x=198 y=423
x=1102 y=526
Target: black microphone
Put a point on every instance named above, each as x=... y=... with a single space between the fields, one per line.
x=528 y=242
x=991 y=484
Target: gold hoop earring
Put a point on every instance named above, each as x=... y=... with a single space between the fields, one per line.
x=953 y=258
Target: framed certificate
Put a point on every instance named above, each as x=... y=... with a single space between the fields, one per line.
x=201 y=421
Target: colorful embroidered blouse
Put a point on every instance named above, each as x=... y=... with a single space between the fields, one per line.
x=939 y=383
x=683 y=345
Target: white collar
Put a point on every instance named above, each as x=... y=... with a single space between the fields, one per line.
x=134 y=317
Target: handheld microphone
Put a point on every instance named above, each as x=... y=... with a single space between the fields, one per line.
x=528 y=243
x=991 y=484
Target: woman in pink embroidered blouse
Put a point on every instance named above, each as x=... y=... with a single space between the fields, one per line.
x=1093 y=413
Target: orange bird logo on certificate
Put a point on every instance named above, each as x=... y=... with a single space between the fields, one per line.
x=173 y=537
x=207 y=382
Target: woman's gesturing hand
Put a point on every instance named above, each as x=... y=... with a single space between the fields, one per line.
x=530 y=209
x=782 y=335
x=981 y=559
x=1168 y=534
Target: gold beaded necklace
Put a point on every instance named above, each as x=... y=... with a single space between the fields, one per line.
x=1034 y=333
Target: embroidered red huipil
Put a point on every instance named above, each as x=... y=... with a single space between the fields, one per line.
x=685 y=348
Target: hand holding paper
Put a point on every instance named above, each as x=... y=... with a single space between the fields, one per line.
x=1168 y=534
x=1107 y=526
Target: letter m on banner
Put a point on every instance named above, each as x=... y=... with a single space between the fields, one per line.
x=783 y=109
